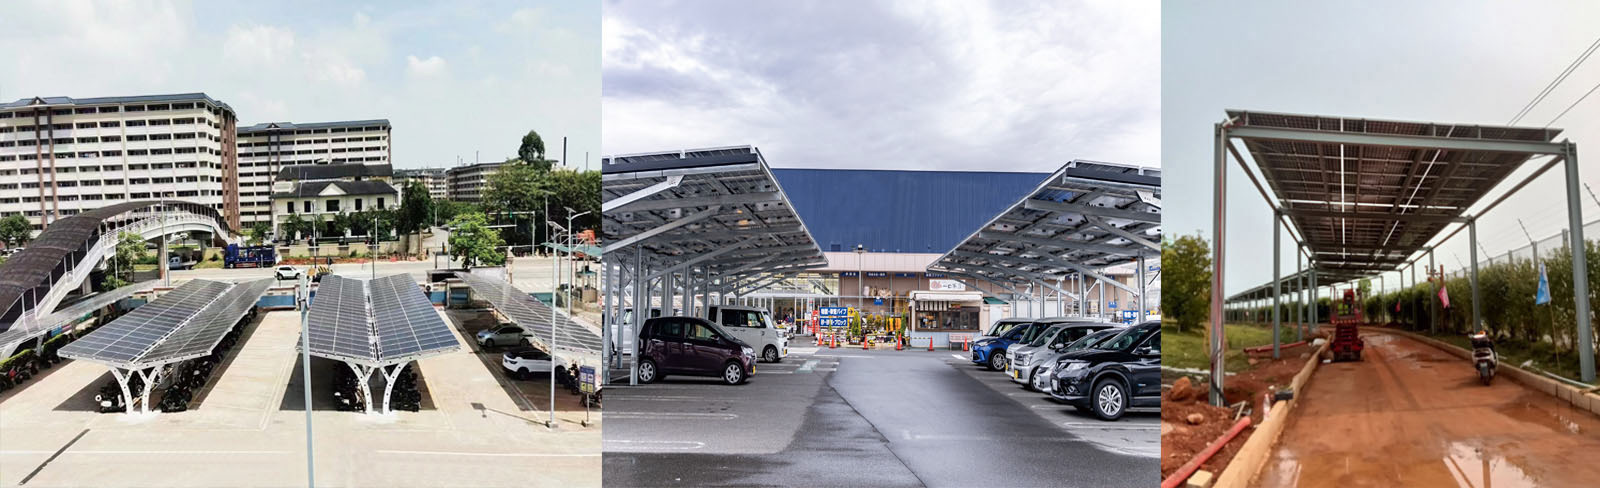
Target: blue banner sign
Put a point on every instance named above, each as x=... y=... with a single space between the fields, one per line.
x=905 y=275
x=879 y=274
x=849 y=274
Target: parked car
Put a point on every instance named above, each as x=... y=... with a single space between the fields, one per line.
x=1001 y=326
x=1023 y=359
x=504 y=334
x=1047 y=361
x=753 y=326
x=692 y=346
x=992 y=352
x=1118 y=373
x=524 y=362
x=286 y=273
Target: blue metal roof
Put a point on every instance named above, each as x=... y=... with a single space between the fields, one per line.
x=900 y=210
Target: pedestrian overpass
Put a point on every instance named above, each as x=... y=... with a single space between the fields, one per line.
x=59 y=261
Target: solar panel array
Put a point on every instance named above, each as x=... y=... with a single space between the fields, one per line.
x=338 y=323
x=128 y=338
x=531 y=315
x=404 y=320
x=201 y=335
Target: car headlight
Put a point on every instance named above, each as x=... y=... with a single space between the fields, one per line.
x=748 y=351
x=1073 y=366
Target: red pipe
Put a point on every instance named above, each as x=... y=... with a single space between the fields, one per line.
x=1177 y=478
x=1268 y=347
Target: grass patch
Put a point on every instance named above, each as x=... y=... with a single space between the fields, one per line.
x=1515 y=352
x=1188 y=349
x=140 y=268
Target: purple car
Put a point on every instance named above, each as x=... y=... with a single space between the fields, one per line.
x=692 y=346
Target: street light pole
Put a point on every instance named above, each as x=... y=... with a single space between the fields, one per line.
x=555 y=276
x=572 y=272
x=305 y=376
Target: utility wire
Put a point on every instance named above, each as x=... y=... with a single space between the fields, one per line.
x=1553 y=83
x=1574 y=104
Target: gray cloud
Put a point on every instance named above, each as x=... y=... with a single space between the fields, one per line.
x=938 y=85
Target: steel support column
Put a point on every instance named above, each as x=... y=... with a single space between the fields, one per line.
x=1277 y=280
x=1219 y=200
x=1140 y=277
x=1472 y=234
x=1580 y=269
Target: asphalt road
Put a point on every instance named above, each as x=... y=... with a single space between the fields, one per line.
x=865 y=419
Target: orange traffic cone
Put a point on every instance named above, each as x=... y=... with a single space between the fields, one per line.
x=930 y=343
x=897 y=345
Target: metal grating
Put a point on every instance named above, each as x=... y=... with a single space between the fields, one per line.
x=532 y=315
x=127 y=339
x=405 y=322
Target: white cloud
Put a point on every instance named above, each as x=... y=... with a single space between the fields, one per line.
x=258 y=45
x=425 y=67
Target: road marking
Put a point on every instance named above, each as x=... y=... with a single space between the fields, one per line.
x=958 y=357
x=488 y=454
x=1108 y=426
x=808 y=367
x=148 y=452
x=643 y=415
x=672 y=398
x=652 y=445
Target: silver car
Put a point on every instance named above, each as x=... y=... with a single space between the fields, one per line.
x=1047 y=361
x=1025 y=359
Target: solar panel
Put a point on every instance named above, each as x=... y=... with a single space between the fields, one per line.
x=202 y=333
x=532 y=315
x=129 y=337
x=404 y=320
x=338 y=323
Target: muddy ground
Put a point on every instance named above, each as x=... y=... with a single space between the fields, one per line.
x=1181 y=441
x=1410 y=415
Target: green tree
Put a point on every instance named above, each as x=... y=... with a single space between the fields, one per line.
x=130 y=249
x=293 y=225
x=516 y=187
x=1186 y=282
x=472 y=241
x=415 y=208
x=449 y=210
x=15 y=231
x=579 y=190
x=259 y=231
x=339 y=224
x=531 y=151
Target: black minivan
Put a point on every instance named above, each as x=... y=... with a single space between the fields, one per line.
x=692 y=346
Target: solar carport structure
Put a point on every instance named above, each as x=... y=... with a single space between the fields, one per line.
x=1366 y=196
x=710 y=225
x=181 y=325
x=534 y=317
x=382 y=324
x=1084 y=218
x=22 y=333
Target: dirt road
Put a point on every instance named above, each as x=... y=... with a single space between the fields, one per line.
x=1410 y=415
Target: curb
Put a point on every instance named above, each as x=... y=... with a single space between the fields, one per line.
x=1250 y=458
x=1574 y=396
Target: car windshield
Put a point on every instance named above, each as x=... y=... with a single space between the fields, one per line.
x=1000 y=329
x=1123 y=341
x=1034 y=332
x=1048 y=335
x=1091 y=340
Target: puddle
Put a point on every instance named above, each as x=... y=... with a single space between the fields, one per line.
x=1475 y=467
x=1563 y=419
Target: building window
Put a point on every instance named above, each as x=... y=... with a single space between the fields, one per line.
x=288 y=207
x=380 y=202
x=358 y=204
x=333 y=205
x=306 y=207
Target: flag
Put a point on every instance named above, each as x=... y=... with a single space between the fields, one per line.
x=1397 y=306
x=1444 y=295
x=1543 y=295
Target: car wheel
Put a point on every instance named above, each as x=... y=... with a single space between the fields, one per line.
x=647 y=371
x=488 y=343
x=1110 y=399
x=997 y=362
x=525 y=343
x=522 y=373
x=770 y=355
x=732 y=374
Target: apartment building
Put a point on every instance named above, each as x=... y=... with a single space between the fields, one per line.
x=60 y=155
x=435 y=179
x=266 y=149
x=321 y=191
x=468 y=182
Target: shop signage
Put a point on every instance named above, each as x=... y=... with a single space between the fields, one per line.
x=849 y=274
x=946 y=286
x=833 y=317
x=905 y=275
x=934 y=275
x=879 y=274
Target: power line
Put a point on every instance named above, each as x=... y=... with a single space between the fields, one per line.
x=1574 y=104
x=1553 y=83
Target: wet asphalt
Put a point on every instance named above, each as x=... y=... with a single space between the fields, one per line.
x=862 y=419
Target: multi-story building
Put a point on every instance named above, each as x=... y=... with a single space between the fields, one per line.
x=321 y=191
x=435 y=179
x=266 y=149
x=468 y=182
x=60 y=155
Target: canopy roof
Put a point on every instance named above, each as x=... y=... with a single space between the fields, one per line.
x=1085 y=217
x=378 y=322
x=184 y=323
x=1367 y=194
x=533 y=316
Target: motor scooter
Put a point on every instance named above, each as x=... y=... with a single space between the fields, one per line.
x=1483 y=356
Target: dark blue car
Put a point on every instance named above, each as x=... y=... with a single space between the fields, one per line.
x=991 y=352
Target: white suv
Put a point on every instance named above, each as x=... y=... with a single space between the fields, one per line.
x=753 y=326
x=524 y=362
x=286 y=273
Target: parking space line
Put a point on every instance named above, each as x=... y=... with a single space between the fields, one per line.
x=655 y=444
x=670 y=398
x=644 y=415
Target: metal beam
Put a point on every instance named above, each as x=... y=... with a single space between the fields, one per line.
x=648 y=191
x=1397 y=141
x=1122 y=233
x=1088 y=210
x=699 y=201
x=669 y=226
x=1061 y=243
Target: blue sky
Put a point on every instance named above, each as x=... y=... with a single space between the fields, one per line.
x=1446 y=61
x=454 y=78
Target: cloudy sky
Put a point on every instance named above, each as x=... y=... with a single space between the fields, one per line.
x=1474 y=62
x=453 y=77
x=952 y=85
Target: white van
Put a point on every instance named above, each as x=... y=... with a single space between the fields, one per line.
x=753 y=326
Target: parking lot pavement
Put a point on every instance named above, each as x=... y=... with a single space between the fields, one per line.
x=854 y=418
x=1137 y=434
x=250 y=431
x=531 y=395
